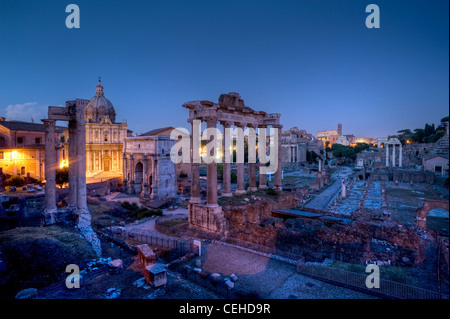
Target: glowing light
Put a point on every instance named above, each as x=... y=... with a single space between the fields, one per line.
x=63 y=164
x=14 y=155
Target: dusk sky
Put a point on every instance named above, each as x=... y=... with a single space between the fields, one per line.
x=315 y=62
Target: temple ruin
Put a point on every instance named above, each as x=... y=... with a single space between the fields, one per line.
x=229 y=111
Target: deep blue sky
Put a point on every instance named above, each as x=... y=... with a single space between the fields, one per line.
x=313 y=61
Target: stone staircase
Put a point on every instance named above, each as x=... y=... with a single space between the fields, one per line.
x=442 y=146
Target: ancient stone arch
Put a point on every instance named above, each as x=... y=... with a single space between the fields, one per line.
x=428 y=205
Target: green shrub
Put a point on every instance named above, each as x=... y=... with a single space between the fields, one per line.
x=182 y=174
x=144 y=212
x=271 y=192
x=16 y=180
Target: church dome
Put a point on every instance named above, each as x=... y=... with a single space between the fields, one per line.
x=99 y=106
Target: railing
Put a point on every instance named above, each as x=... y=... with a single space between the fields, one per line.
x=387 y=289
x=157 y=241
x=272 y=252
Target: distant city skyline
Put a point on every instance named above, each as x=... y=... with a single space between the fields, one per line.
x=315 y=62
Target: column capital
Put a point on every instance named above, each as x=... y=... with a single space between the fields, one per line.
x=240 y=124
x=226 y=124
x=211 y=119
x=49 y=123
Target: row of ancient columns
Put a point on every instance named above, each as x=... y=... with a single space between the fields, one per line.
x=211 y=167
x=77 y=168
x=393 y=159
x=129 y=178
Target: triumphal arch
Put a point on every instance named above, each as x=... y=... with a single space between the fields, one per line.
x=229 y=111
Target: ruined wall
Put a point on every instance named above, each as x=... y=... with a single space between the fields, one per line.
x=254 y=222
x=357 y=242
x=403 y=176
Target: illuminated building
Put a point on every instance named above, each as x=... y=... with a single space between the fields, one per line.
x=22 y=149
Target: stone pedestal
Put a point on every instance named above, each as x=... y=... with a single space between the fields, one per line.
x=206 y=218
x=156 y=275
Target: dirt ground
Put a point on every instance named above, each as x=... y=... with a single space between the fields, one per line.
x=267 y=277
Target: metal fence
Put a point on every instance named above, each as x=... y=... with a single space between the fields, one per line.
x=389 y=289
x=181 y=246
x=219 y=287
x=290 y=256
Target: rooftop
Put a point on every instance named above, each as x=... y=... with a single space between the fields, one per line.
x=27 y=126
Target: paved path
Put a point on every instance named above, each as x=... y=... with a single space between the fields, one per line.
x=321 y=200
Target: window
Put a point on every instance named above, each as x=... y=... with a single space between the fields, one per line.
x=2 y=156
x=37 y=140
x=20 y=140
x=2 y=141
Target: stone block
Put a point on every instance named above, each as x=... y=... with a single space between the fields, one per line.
x=146 y=255
x=156 y=275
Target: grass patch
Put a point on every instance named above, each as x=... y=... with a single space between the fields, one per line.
x=173 y=226
x=137 y=212
x=404 y=275
x=37 y=256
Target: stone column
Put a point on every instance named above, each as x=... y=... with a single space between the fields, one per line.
x=240 y=161
x=320 y=165
x=343 y=188
x=145 y=186
x=155 y=193
x=73 y=165
x=195 y=168
x=252 y=159
x=131 y=171
x=82 y=209
x=386 y=145
x=277 y=175
x=226 y=162
x=262 y=177
x=400 y=158
x=124 y=173
x=88 y=160
x=393 y=155
x=50 y=210
x=211 y=169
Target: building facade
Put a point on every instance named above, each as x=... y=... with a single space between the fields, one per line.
x=329 y=137
x=294 y=145
x=104 y=137
x=22 y=148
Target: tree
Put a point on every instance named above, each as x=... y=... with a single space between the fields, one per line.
x=343 y=151
x=62 y=176
x=311 y=156
x=405 y=135
x=16 y=181
x=361 y=147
